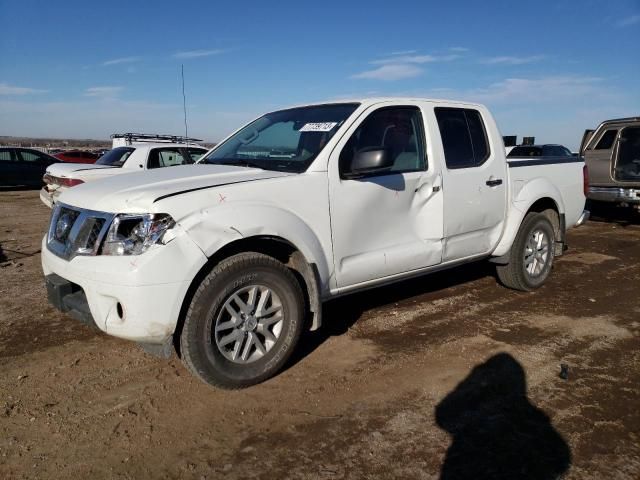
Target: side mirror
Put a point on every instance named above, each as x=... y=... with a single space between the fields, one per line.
x=369 y=160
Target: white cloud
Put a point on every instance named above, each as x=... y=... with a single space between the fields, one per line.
x=404 y=52
x=626 y=22
x=414 y=59
x=547 y=90
x=400 y=65
x=541 y=90
x=6 y=89
x=198 y=53
x=512 y=60
x=390 y=72
x=118 y=61
x=103 y=92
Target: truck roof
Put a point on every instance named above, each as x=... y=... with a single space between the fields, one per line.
x=368 y=101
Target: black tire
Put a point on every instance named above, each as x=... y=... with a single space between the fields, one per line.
x=514 y=274
x=199 y=347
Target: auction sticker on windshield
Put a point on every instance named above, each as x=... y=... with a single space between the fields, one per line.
x=318 y=127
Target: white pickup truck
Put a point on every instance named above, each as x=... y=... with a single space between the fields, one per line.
x=131 y=153
x=228 y=259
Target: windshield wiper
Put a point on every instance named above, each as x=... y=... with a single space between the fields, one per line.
x=241 y=163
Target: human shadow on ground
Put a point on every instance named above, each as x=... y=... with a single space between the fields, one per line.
x=3 y=257
x=496 y=432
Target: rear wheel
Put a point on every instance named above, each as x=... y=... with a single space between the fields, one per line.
x=532 y=254
x=244 y=321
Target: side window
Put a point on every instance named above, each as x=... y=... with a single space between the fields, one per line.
x=165 y=157
x=30 y=156
x=398 y=129
x=628 y=163
x=196 y=153
x=464 y=137
x=7 y=156
x=558 y=151
x=606 y=141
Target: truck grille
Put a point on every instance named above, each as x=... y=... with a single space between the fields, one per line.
x=76 y=231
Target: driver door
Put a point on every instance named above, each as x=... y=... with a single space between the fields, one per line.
x=389 y=222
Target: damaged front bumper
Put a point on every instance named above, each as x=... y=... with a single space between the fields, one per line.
x=138 y=298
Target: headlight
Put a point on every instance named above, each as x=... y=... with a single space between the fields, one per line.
x=134 y=234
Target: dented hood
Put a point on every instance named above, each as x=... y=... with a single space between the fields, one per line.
x=136 y=192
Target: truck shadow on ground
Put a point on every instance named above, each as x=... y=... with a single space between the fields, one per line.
x=496 y=432
x=611 y=213
x=341 y=314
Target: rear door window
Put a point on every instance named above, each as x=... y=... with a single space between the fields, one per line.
x=607 y=139
x=7 y=155
x=196 y=153
x=31 y=156
x=628 y=164
x=115 y=157
x=464 y=137
x=166 y=157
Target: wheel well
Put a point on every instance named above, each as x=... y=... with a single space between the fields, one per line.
x=549 y=208
x=274 y=247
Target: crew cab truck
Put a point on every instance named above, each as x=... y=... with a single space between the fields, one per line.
x=132 y=152
x=229 y=259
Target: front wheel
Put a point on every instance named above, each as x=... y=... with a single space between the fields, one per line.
x=531 y=256
x=244 y=321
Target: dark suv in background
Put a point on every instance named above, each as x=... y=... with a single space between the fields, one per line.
x=550 y=150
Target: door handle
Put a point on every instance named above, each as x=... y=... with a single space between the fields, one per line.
x=494 y=183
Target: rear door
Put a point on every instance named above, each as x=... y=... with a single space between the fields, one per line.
x=599 y=156
x=475 y=183
x=9 y=168
x=627 y=164
x=33 y=165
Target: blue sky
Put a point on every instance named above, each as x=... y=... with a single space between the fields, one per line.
x=84 y=69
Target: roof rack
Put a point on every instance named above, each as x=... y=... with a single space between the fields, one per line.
x=152 y=137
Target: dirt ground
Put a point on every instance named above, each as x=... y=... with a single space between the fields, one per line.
x=449 y=376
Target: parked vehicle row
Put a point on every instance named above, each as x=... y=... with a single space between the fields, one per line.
x=231 y=257
x=134 y=158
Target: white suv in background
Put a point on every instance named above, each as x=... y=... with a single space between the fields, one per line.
x=134 y=157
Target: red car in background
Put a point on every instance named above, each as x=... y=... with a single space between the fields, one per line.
x=77 y=156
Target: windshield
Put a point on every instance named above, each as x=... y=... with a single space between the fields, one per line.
x=287 y=140
x=115 y=157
